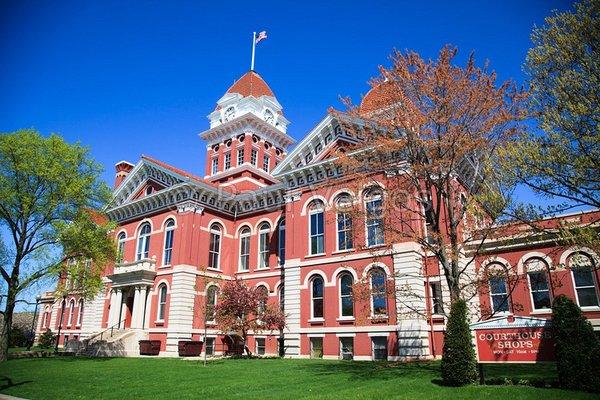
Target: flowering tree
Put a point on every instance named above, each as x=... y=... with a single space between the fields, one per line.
x=242 y=309
x=429 y=132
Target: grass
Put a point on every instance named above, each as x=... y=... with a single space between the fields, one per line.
x=161 y=378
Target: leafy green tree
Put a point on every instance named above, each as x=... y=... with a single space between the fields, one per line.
x=47 y=339
x=50 y=194
x=458 y=361
x=577 y=347
x=563 y=163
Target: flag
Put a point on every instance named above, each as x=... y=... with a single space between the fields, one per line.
x=261 y=35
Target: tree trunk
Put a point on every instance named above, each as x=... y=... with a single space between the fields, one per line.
x=6 y=324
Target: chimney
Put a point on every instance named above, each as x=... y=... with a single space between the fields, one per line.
x=122 y=169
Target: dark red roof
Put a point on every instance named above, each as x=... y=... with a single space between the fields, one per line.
x=380 y=96
x=251 y=84
x=172 y=168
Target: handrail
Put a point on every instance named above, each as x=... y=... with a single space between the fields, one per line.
x=111 y=328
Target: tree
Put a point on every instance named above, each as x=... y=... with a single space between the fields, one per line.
x=429 y=132
x=458 y=360
x=47 y=339
x=50 y=194
x=242 y=309
x=577 y=347
x=561 y=164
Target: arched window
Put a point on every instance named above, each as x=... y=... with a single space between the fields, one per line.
x=346 y=306
x=71 y=312
x=281 y=242
x=263 y=245
x=212 y=294
x=584 y=281
x=245 y=249
x=214 y=249
x=344 y=222
x=80 y=315
x=317 y=297
x=121 y=246
x=263 y=293
x=316 y=227
x=162 y=302
x=498 y=288
x=46 y=321
x=537 y=275
x=374 y=220
x=168 y=250
x=143 y=246
x=378 y=291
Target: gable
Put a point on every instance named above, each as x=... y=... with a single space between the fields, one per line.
x=320 y=144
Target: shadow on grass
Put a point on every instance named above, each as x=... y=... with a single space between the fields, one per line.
x=383 y=371
x=6 y=382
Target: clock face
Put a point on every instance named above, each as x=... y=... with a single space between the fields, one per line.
x=269 y=117
x=229 y=114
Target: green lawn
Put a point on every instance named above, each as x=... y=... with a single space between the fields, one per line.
x=160 y=378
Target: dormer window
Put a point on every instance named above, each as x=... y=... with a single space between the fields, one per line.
x=215 y=165
x=229 y=114
x=149 y=190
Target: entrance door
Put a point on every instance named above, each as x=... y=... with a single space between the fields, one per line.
x=128 y=310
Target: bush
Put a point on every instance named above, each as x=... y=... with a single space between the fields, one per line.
x=459 y=366
x=18 y=338
x=47 y=339
x=577 y=347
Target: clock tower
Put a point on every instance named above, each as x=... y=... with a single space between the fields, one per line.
x=247 y=136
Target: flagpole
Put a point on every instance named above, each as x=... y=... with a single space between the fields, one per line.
x=253 y=48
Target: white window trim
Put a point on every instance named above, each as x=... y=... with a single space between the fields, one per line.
x=167 y=230
x=337 y=233
x=242 y=237
x=220 y=234
x=508 y=299
x=368 y=199
x=237 y=155
x=533 y=308
x=80 y=313
x=344 y=317
x=310 y=214
x=373 y=315
x=262 y=231
x=214 y=166
x=161 y=318
x=312 y=303
x=71 y=312
x=213 y=320
x=280 y=245
x=145 y=238
x=596 y=307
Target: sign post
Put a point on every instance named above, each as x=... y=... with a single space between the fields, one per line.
x=512 y=339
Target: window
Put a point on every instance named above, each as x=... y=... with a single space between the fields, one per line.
x=245 y=249
x=80 y=315
x=71 y=312
x=281 y=242
x=316 y=347
x=317 y=232
x=120 y=246
x=346 y=348
x=169 y=232
x=212 y=294
x=429 y=221
x=584 y=281
x=538 y=283
x=260 y=346
x=214 y=249
x=253 y=156
x=215 y=165
x=46 y=320
x=379 y=348
x=346 y=306
x=263 y=245
x=344 y=223
x=263 y=297
x=240 y=156
x=499 y=293
x=266 y=163
x=437 y=305
x=143 y=242
x=162 y=302
x=317 y=297
x=378 y=292
x=210 y=346
x=149 y=190
x=374 y=222
x=227 y=161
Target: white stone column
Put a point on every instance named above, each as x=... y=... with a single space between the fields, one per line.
x=114 y=308
x=122 y=307
x=135 y=313
x=148 y=308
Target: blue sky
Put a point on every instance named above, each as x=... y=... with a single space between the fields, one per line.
x=129 y=78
